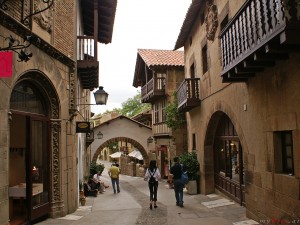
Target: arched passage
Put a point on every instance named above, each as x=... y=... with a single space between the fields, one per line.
x=122 y=139
x=223 y=149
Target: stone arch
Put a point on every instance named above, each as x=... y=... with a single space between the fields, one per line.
x=48 y=90
x=123 y=139
x=212 y=121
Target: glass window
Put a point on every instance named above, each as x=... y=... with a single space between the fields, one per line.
x=27 y=98
x=283 y=147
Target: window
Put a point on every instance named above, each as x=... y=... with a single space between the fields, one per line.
x=156 y=113
x=204 y=59
x=192 y=71
x=163 y=111
x=283 y=146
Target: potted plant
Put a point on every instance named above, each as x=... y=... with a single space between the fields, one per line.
x=190 y=162
x=82 y=198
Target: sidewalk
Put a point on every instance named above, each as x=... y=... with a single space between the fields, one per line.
x=131 y=207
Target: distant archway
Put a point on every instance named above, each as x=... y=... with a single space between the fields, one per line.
x=122 y=139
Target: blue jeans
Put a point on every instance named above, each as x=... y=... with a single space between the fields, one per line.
x=115 y=182
x=178 y=188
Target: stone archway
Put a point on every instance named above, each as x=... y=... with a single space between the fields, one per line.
x=212 y=156
x=50 y=95
x=123 y=139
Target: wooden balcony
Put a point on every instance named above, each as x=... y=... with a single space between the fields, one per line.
x=153 y=90
x=262 y=32
x=161 y=129
x=87 y=63
x=188 y=94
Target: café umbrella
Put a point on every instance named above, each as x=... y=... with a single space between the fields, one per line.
x=116 y=155
x=136 y=154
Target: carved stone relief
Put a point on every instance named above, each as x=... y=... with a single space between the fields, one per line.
x=211 y=21
x=43 y=19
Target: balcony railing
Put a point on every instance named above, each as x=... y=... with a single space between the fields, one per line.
x=154 y=89
x=249 y=40
x=188 y=96
x=161 y=129
x=87 y=62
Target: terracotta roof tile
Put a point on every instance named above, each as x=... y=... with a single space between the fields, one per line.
x=162 y=57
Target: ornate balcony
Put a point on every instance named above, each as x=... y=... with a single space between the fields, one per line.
x=153 y=90
x=262 y=32
x=188 y=94
x=87 y=63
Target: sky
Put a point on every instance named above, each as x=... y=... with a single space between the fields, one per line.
x=139 y=24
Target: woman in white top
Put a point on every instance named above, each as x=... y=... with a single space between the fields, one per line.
x=152 y=176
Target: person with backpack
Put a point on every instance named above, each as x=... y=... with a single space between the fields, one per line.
x=176 y=170
x=152 y=176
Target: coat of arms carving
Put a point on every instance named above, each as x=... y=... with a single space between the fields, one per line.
x=211 y=21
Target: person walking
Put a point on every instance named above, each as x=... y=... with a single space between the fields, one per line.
x=152 y=175
x=114 y=172
x=176 y=170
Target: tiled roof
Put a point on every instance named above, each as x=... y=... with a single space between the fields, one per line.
x=188 y=22
x=161 y=57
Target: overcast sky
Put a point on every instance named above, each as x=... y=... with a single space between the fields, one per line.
x=139 y=24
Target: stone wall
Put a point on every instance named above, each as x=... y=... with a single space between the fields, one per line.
x=267 y=103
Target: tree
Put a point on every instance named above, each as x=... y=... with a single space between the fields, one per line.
x=174 y=119
x=134 y=106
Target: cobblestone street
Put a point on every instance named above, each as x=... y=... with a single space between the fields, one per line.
x=131 y=207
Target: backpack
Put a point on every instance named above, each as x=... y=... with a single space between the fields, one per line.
x=152 y=179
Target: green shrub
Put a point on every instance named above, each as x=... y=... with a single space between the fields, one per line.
x=94 y=168
x=191 y=164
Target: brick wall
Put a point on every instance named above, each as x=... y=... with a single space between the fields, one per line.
x=64 y=26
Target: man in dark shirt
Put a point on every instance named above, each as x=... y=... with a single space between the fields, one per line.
x=176 y=171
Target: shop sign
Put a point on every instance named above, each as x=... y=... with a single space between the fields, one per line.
x=6 y=59
x=83 y=127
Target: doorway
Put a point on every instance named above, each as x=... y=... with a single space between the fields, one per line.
x=228 y=157
x=29 y=158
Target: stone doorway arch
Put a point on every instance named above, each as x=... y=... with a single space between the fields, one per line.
x=48 y=93
x=223 y=155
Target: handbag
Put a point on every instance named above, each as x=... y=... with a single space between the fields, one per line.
x=184 y=178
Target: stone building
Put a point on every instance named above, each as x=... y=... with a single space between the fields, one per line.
x=159 y=74
x=43 y=95
x=244 y=58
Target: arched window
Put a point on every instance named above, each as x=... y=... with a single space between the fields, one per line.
x=27 y=98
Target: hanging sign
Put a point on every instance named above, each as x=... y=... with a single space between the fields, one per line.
x=6 y=59
x=83 y=127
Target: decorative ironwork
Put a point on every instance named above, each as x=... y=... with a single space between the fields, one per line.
x=26 y=20
x=3 y=5
x=15 y=45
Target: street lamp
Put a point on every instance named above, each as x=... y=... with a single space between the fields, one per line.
x=99 y=135
x=149 y=139
x=100 y=96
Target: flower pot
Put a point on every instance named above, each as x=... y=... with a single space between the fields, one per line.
x=192 y=187
x=82 y=202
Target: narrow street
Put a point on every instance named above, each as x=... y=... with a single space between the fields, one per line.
x=131 y=207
